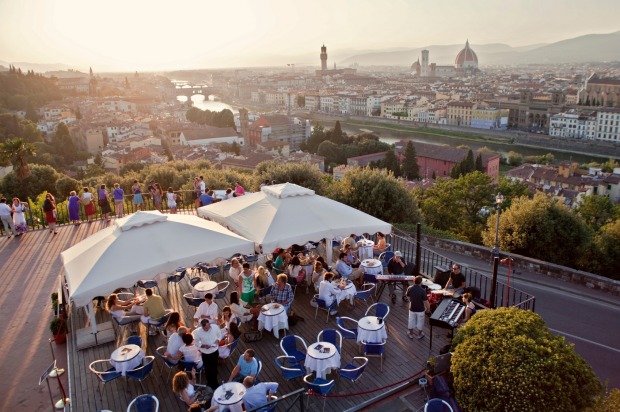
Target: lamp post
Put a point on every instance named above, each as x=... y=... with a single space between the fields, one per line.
x=498 y=206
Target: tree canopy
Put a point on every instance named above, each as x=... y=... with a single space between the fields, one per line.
x=225 y=118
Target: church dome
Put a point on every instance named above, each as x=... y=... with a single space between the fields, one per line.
x=466 y=59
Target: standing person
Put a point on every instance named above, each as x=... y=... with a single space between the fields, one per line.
x=89 y=206
x=104 y=202
x=246 y=283
x=418 y=306
x=196 y=193
x=172 y=200
x=457 y=280
x=136 y=191
x=74 y=208
x=157 y=194
x=207 y=339
x=207 y=310
x=18 y=208
x=396 y=266
x=49 y=207
x=7 y=220
x=235 y=270
x=239 y=190
x=119 y=197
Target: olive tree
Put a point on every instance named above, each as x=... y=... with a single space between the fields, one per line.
x=507 y=360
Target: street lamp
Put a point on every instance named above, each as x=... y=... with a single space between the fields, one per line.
x=498 y=206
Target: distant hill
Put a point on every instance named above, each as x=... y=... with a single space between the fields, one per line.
x=37 y=67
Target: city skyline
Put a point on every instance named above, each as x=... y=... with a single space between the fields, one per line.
x=141 y=35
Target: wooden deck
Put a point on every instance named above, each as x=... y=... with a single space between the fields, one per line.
x=403 y=357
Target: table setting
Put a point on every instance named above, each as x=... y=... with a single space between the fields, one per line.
x=273 y=317
x=321 y=357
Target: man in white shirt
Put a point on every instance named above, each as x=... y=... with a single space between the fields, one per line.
x=7 y=219
x=207 y=309
x=203 y=186
x=256 y=394
x=206 y=338
x=175 y=341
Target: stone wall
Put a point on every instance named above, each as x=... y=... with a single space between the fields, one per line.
x=564 y=273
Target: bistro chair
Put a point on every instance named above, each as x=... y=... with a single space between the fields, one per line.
x=176 y=278
x=376 y=349
x=188 y=366
x=192 y=300
x=104 y=371
x=319 y=386
x=379 y=309
x=233 y=349
x=289 y=347
x=167 y=362
x=331 y=336
x=221 y=290
x=437 y=405
x=142 y=372
x=195 y=280
x=123 y=322
x=158 y=323
x=144 y=403
x=134 y=340
x=149 y=283
x=385 y=258
x=365 y=293
x=320 y=304
x=212 y=271
x=347 y=333
x=264 y=292
x=294 y=371
x=352 y=371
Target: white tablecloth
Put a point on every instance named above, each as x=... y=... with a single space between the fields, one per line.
x=347 y=293
x=372 y=266
x=309 y=268
x=430 y=285
x=235 y=402
x=370 y=330
x=321 y=362
x=364 y=250
x=204 y=287
x=126 y=358
x=273 y=319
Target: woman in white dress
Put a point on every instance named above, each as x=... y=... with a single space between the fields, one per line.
x=327 y=291
x=19 y=220
x=317 y=275
x=235 y=270
x=172 y=200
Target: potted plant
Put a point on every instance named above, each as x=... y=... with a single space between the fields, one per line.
x=54 y=302
x=58 y=327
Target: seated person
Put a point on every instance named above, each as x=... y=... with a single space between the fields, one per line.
x=184 y=389
x=470 y=308
x=229 y=337
x=282 y=292
x=207 y=198
x=457 y=280
x=207 y=310
x=349 y=240
x=346 y=271
x=153 y=308
x=294 y=271
x=235 y=270
x=173 y=323
x=257 y=394
x=380 y=246
x=396 y=266
x=325 y=265
x=242 y=310
x=328 y=292
x=351 y=259
x=246 y=366
x=262 y=278
x=121 y=308
x=227 y=318
x=317 y=275
x=280 y=261
x=175 y=341
x=189 y=352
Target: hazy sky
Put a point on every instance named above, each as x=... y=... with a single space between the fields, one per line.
x=158 y=35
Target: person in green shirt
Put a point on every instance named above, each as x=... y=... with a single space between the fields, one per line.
x=153 y=308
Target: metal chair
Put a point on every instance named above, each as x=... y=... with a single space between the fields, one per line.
x=148 y=283
x=134 y=340
x=437 y=405
x=294 y=371
x=194 y=281
x=320 y=304
x=352 y=371
x=260 y=368
x=365 y=293
x=288 y=344
x=233 y=349
x=144 y=403
x=103 y=375
x=251 y=259
x=188 y=366
x=159 y=323
x=385 y=258
x=176 y=278
x=379 y=309
x=376 y=349
x=319 y=386
x=264 y=292
x=124 y=321
x=167 y=362
x=142 y=372
x=212 y=271
x=347 y=333
x=221 y=290
x=332 y=336
x=193 y=301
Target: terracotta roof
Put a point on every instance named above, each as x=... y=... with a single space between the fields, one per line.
x=209 y=132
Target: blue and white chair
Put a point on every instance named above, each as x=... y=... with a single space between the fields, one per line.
x=142 y=372
x=379 y=309
x=321 y=387
x=346 y=331
x=354 y=370
x=144 y=403
x=320 y=304
x=288 y=344
x=104 y=371
x=365 y=293
x=290 y=368
x=331 y=336
x=376 y=349
x=437 y=405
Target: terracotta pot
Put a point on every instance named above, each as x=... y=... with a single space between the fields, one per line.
x=60 y=338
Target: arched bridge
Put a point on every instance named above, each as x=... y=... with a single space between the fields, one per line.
x=190 y=90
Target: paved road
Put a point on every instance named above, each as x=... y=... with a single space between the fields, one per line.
x=587 y=318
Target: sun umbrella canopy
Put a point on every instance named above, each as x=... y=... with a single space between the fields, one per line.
x=140 y=246
x=286 y=214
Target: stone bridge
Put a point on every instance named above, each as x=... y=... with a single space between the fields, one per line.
x=203 y=90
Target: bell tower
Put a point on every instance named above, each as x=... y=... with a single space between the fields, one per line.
x=323 y=58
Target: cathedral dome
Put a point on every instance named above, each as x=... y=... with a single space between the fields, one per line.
x=466 y=59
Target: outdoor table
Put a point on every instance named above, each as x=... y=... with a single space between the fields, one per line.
x=273 y=318
x=204 y=287
x=364 y=249
x=321 y=357
x=309 y=268
x=126 y=358
x=372 y=267
x=348 y=292
x=430 y=285
x=229 y=395
x=370 y=330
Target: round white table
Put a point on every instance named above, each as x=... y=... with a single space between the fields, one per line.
x=370 y=330
x=229 y=395
x=348 y=292
x=204 y=287
x=126 y=358
x=273 y=317
x=309 y=268
x=372 y=267
x=364 y=250
x=430 y=285
x=321 y=358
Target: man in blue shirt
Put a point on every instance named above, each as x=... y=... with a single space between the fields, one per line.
x=246 y=366
x=346 y=271
x=256 y=394
x=207 y=198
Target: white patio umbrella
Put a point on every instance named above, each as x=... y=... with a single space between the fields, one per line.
x=140 y=246
x=286 y=214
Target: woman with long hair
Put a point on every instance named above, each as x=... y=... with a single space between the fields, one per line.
x=235 y=270
x=241 y=309
x=224 y=345
x=49 y=207
x=104 y=202
x=173 y=323
x=136 y=191
x=157 y=194
x=172 y=200
x=119 y=308
x=317 y=275
x=183 y=387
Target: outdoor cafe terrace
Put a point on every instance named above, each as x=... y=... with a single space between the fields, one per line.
x=403 y=362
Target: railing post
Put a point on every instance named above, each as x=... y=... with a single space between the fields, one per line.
x=494 y=281
x=418 y=249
